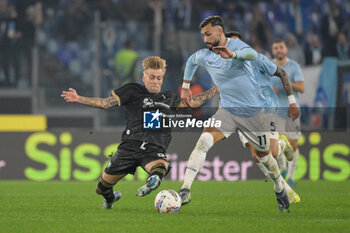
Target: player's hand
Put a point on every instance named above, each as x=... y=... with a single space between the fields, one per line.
x=186 y=97
x=293 y=111
x=70 y=96
x=224 y=52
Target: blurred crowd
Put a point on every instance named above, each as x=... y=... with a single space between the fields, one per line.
x=312 y=29
x=18 y=20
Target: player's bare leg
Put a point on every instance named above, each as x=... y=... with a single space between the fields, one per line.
x=157 y=170
x=208 y=138
x=105 y=188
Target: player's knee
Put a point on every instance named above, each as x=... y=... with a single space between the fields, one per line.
x=205 y=142
x=294 y=145
x=261 y=154
x=255 y=158
x=103 y=187
x=274 y=152
x=159 y=169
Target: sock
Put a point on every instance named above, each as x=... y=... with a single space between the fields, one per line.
x=265 y=171
x=159 y=170
x=106 y=190
x=197 y=159
x=292 y=165
x=272 y=167
x=281 y=161
x=281 y=146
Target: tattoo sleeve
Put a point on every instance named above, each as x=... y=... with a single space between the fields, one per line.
x=204 y=97
x=285 y=80
x=102 y=103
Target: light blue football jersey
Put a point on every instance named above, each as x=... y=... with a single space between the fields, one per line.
x=263 y=69
x=240 y=93
x=295 y=75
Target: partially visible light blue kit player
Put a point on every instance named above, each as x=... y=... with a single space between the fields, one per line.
x=263 y=70
x=285 y=124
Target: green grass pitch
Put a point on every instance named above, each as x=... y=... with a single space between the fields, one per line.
x=216 y=207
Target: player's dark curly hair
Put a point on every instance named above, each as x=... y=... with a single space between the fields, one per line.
x=213 y=20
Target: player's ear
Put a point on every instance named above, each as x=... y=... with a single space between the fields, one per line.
x=221 y=31
x=143 y=78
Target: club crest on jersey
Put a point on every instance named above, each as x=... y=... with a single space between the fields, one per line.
x=152 y=119
x=148 y=103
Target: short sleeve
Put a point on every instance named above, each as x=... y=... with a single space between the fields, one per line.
x=124 y=94
x=236 y=44
x=265 y=65
x=298 y=75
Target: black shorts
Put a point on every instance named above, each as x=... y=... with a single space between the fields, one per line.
x=131 y=154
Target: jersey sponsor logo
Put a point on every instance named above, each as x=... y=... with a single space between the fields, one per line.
x=151 y=119
x=150 y=103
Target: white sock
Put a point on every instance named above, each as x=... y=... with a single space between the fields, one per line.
x=197 y=158
x=282 y=163
x=292 y=165
x=272 y=167
x=281 y=146
x=265 y=171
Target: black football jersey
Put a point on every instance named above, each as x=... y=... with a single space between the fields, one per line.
x=137 y=100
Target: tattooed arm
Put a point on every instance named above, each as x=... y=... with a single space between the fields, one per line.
x=200 y=99
x=71 y=96
x=285 y=80
x=293 y=110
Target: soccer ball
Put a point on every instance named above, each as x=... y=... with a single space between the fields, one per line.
x=167 y=201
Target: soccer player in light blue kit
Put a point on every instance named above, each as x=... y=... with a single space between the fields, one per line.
x=241 y=103
x=264 y=70
x=290 y=128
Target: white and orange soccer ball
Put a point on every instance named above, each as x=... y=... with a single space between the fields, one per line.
x=167 y=201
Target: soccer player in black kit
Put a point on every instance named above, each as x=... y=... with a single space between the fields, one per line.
x=139 y=147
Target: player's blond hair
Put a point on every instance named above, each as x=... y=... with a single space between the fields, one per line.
x=154 y=63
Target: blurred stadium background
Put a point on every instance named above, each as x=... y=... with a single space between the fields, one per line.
x=96 y=46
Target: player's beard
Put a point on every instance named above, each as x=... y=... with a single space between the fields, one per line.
x=214 y=44
x=280 y=56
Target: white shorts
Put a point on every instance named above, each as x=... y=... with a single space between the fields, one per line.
x=289 y=127
x=255 y=129
x=272 y=119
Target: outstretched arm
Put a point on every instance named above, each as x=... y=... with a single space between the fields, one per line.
x=200 y=99
x=242 y=54
x=71 y=96
x=293 y=110
x=190 y=69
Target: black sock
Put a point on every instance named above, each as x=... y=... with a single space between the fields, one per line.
x=109 y=195
x=159 y=170
x=106 y=190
